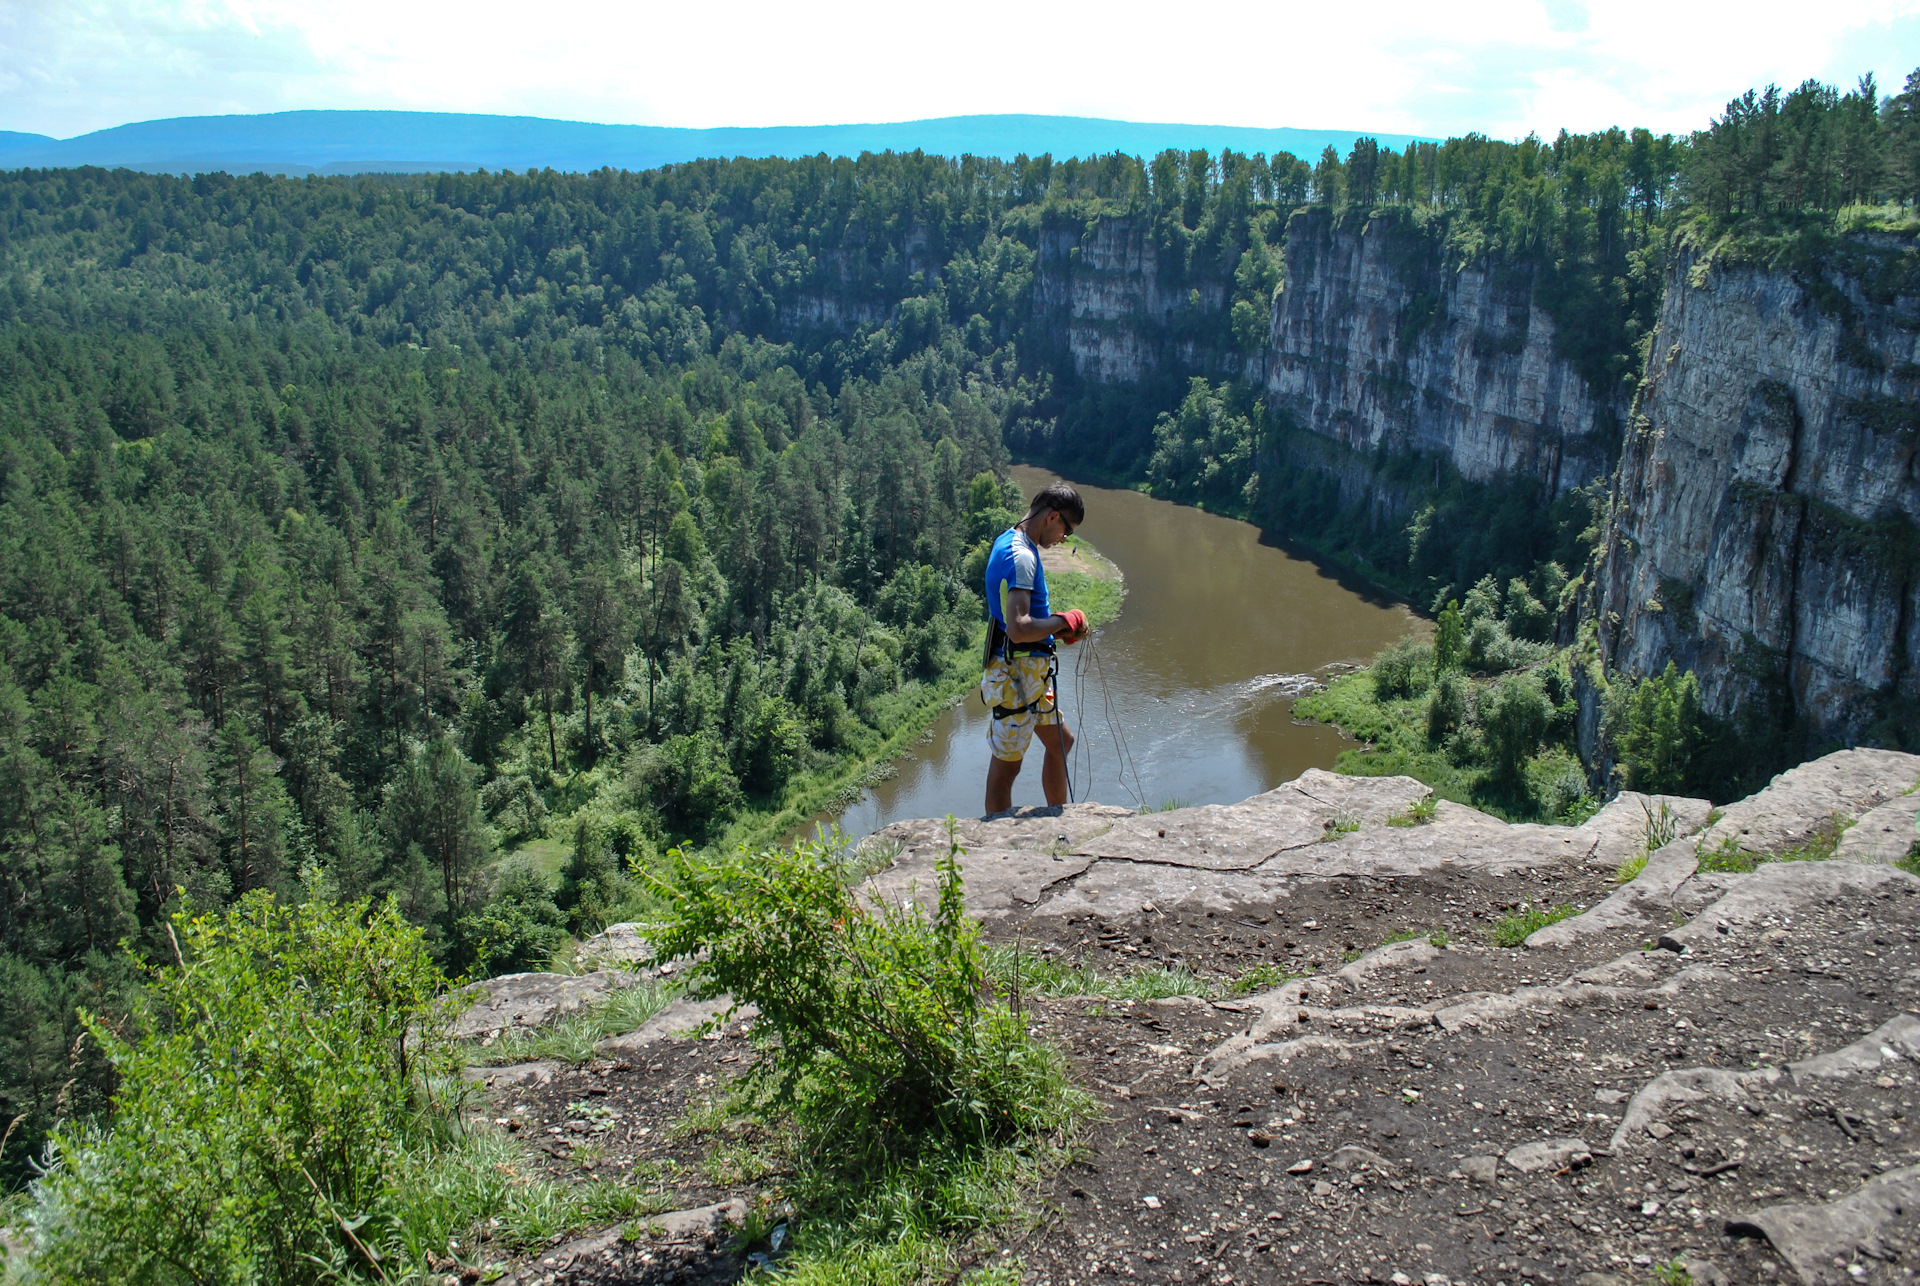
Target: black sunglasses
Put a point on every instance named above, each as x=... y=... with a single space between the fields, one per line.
x=1064 y=523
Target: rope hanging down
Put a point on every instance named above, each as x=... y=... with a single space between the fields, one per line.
x=1088 y=658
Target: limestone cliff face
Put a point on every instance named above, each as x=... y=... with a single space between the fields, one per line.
x=1765 y=510
x=859 y=282
x=1378 y=346
x=1101 y=295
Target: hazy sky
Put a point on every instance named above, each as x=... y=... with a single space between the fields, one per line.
x=1416 y=66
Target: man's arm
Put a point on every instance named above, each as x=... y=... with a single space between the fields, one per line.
x=1022 y=626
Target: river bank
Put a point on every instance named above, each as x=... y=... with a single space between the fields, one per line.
x=1193 y=684
x=1078 y=576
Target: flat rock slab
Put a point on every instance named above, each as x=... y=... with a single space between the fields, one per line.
x=1801 y=800
x=1779 y=889
x=1066 y=828
x=1624 y=827
x=521 y=1000
x=700 y=1224
x=1894 y=1041
x=1877 y=1222
x=1549 y=1154
x=535 y=1073
x=676 y=1022
x=1885 y=834
x=617 y=944
x=1226 y=837
x=999 y=881
x=1137 y=888
x=1458 y=837
x=1647 y=898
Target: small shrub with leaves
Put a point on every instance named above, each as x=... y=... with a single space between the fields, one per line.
x=1446 y=707
x=884 y=1036
x=912 y=1104
x=1403 y=670
x=1566 y=796
x=268 y=1097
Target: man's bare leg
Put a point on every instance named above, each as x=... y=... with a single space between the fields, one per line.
x=1000 y=775
x=1053 y=773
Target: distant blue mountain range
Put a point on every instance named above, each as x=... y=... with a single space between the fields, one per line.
x=299 y=143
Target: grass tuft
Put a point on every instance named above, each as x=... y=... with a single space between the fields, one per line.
x=1527 y=921
x=1418 y=813
x=1260 y=978
x=1629 y=871
x=1821 y=845
x=571 y=1040
x=1018 y=971
x=1729 y=856
x=1344 y=822
x=487 y=1179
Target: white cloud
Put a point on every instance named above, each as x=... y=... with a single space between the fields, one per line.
x=1500 y=66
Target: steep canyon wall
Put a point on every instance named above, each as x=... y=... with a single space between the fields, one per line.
x=1117 y=313
x=1764 y=522
x=1765 y=530
x=1378 y=346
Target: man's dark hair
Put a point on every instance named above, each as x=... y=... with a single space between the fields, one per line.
x=1061 y=497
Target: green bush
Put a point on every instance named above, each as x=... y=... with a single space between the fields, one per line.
x=1449 y=639
x=1526 y=617
x=1654 y=727
x=1491 y=649
x=519 y=928
x=595 y=887
x=268 y=1095
x=1403 y=670
x=513 y=805
x=914 y=1103
x=689 y=780
x=1482 y=603
x=1513 y=723
x=883 y=1037
x=1446 y=706
x=1564 y=794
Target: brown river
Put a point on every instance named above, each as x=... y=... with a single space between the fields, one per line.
x=1199 y=671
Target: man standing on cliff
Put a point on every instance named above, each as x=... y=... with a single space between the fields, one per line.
x=1020 y=660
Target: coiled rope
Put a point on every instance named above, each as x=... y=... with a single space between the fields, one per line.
x=1127 y=769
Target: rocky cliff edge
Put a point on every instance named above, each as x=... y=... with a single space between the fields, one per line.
x=1709 y=1068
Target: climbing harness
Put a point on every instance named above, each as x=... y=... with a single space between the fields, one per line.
x=998 y=647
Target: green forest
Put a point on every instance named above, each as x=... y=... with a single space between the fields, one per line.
x=357 y=531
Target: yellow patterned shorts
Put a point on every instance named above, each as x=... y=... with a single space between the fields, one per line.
x=1012 y=684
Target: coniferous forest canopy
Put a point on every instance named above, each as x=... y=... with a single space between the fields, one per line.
x=356 y=529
